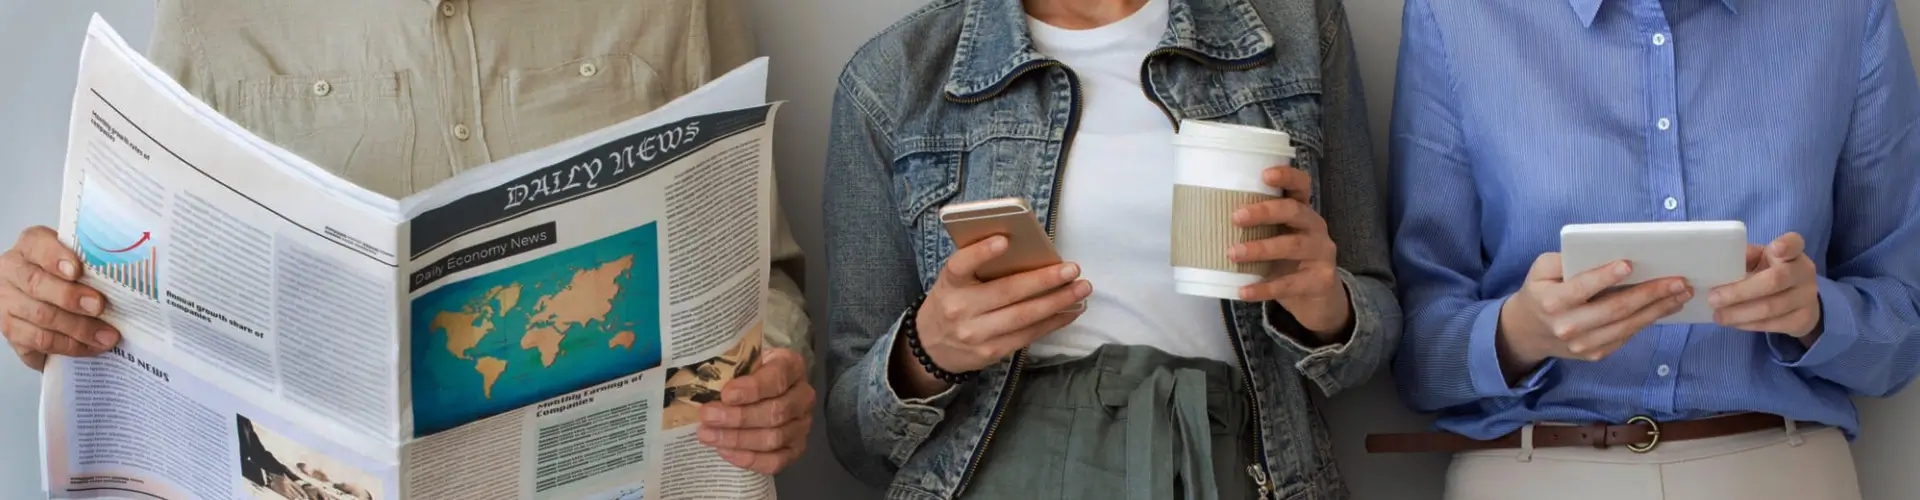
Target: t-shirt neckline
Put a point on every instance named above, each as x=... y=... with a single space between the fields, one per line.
x=1152 y=17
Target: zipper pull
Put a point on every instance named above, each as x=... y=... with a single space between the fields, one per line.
x=1259 y=479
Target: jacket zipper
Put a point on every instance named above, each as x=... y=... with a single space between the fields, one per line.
x=1257 y=470
x=1020 y=358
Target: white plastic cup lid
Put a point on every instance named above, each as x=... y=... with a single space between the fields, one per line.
x=1216 y=135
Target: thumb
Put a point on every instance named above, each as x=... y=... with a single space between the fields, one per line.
x=1786 y=248
x=33 y=359
x=778 y=371
x=1546 y=267
x=964 y=264
x=1756 y=257
x=786 y=361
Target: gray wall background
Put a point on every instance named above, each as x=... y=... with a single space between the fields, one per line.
x=808 y=41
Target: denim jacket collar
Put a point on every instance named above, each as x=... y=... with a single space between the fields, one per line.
x=995 y=47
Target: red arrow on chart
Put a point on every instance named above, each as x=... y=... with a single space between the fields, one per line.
x=144 y=236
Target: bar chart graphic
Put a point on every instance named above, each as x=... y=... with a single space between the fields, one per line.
x=115 y=238
x=138 y=276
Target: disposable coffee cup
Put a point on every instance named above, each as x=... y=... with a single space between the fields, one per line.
x=1217 y=169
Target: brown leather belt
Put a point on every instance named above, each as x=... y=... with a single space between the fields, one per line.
x=1640 y=434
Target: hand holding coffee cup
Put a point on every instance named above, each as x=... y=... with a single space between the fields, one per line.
x=1310 y=287
x=1245 y=228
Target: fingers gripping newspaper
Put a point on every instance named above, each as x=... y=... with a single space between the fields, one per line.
x=547 y=326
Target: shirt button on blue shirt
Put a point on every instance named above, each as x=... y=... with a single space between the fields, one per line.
x=1659 y=39
x=1664 y=124
x=1672 y=203
x=1663 y=370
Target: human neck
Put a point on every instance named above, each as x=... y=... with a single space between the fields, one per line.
x=1081 y=14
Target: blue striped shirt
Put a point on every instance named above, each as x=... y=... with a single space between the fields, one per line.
x=1512 y=119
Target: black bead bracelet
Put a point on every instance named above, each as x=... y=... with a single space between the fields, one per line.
x=911 y=329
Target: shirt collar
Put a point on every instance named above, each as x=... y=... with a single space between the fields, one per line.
x=1587 y=9
x=995 y=46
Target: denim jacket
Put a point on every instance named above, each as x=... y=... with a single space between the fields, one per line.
x=954 y=104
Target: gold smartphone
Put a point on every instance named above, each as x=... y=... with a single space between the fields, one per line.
x=1028 y=247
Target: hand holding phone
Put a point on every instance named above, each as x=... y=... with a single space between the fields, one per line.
x=1000 y=291
x=1029 y=247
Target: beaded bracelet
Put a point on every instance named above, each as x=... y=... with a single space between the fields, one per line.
x=911 y=329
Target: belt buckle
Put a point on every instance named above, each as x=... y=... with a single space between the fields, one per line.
x=1654 y=432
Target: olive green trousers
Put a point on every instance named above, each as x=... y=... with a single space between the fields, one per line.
x=1122 y=423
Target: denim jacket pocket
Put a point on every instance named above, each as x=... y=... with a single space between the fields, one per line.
x=923 y=182
x=1299 y=115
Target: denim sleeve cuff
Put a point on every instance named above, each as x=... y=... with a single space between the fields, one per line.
x=1838 y=333
x=1303 y=343
x=1325 y=363
x=935 y=402
x=1483 y=359
x=907 y=421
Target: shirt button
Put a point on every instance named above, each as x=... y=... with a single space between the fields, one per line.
x=322 y=88
x=446 y=8
x=460 y=132
x=1664 y=124
x=1659 y=38
x=588 y=69
x=1663 y=370
x=1671 y=203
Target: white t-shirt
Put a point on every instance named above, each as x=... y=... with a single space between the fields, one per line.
x=1114 y=208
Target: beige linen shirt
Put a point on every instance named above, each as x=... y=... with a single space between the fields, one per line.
x=397 y=95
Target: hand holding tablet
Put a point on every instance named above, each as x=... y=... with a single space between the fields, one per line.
x=1609 y=282
x=1781 y=293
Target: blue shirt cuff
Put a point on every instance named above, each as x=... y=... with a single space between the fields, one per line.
x=1483 y=359
x=1837 y=336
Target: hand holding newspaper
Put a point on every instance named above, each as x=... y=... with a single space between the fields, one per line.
x=546 y=326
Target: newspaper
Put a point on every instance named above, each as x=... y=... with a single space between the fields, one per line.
x=546 y=326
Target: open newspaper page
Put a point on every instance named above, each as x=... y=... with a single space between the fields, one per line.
x=137 y=426
x=568 y=321
x=254 y=297
x=543 y=327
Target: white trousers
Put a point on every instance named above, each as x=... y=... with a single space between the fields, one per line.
x=1807 y=463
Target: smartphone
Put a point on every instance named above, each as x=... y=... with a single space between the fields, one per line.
x=1028 y=247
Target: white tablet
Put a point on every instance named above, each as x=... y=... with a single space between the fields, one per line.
x=1707 y=253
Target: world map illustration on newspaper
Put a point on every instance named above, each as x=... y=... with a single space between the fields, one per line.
x=516 y=336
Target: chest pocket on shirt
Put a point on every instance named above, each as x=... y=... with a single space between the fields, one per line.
x=555 y=103
x=357 y=126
